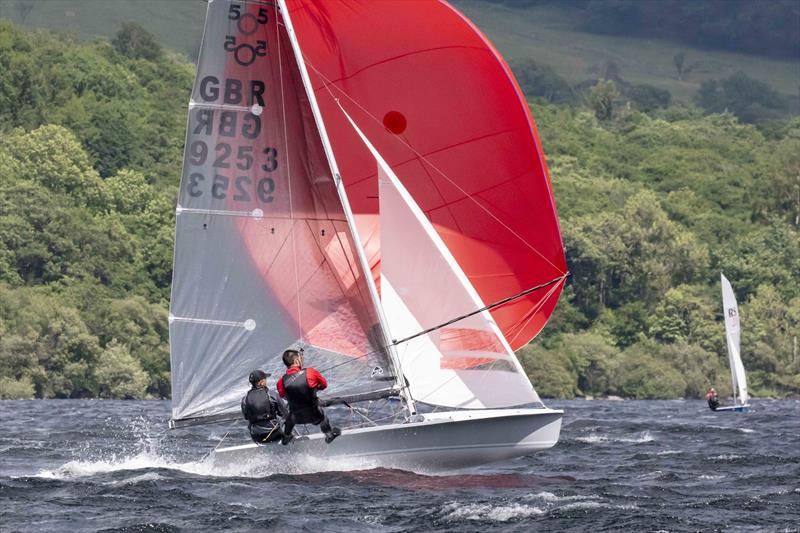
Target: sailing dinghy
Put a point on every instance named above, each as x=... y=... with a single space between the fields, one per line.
x=732 y=332
x=363 y=180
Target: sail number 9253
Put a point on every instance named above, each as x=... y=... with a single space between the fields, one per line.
x=241 y=190
x=224 y=160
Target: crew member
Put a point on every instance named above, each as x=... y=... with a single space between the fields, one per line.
x=262 y=410
x=712 y=398
x=299 y=386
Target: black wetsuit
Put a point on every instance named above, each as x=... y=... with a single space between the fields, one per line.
x=262 y=411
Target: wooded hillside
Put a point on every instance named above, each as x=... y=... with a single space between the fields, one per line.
x=654 y=200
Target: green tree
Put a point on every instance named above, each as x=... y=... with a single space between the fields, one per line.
x=135 y=42
x=601 y=99
x=749 y=99
x=550 y=372
x=119 y=375
x=679 y=59
x=52 y=156
x=686 y=314
x=642 y=376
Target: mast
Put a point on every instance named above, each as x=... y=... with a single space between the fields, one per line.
x=386 y=342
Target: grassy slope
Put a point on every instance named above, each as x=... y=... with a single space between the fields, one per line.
x=545 y=34
x=548 y=35
x=178 y=24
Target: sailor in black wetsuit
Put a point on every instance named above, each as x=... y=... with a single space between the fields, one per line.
x=262 y=410
x=299 y=386
x=712 y=398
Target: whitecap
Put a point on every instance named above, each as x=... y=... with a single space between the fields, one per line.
x=726 y=457
x=707 y=476
x=643 y=437
x=148 y=476
x=592 y=439
x=595 y=505
x=549 y=497
x=486 y=511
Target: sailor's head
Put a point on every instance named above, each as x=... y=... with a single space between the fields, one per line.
x=293 y=358
x=258 y=378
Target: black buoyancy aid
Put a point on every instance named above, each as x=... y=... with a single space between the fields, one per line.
x=303 y=402
x=713 y=403
x=257 y=406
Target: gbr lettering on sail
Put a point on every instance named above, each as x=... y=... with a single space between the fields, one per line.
x=229 y=155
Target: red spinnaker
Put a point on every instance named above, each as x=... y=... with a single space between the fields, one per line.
x=442 y=107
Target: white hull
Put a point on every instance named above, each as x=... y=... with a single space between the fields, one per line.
x=441 y=441
x=737 y=408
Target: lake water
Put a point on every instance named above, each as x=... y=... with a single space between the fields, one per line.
x=626 y=465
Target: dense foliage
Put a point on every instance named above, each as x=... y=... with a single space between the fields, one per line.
x=89 y=159
x=653 y=205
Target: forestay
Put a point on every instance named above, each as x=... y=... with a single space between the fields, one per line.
x=263 y=259
x=730 y=311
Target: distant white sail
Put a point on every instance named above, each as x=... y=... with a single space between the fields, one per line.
x=732 y=333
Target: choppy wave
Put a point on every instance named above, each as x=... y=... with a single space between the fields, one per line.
x=726 y=457
x=92 y=466
x=485 y=511
x=595 y=505
x=593 y=439
x=549 y=497
x=508 y=511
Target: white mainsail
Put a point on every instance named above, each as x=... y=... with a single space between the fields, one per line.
x=265 y=258
x=732 y=333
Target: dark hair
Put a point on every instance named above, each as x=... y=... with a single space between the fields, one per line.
x=290 y=357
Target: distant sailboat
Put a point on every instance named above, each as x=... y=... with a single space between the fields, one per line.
x=364 y=180
x=732 y=332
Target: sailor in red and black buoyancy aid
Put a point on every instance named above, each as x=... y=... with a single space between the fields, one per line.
x=299 y=386
x=712 y=398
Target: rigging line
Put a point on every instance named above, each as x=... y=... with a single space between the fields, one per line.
x=228 y=430
x=462 y=317
x=520 y=326
x=289 y=181
x=484 y=308
x=423 y=158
